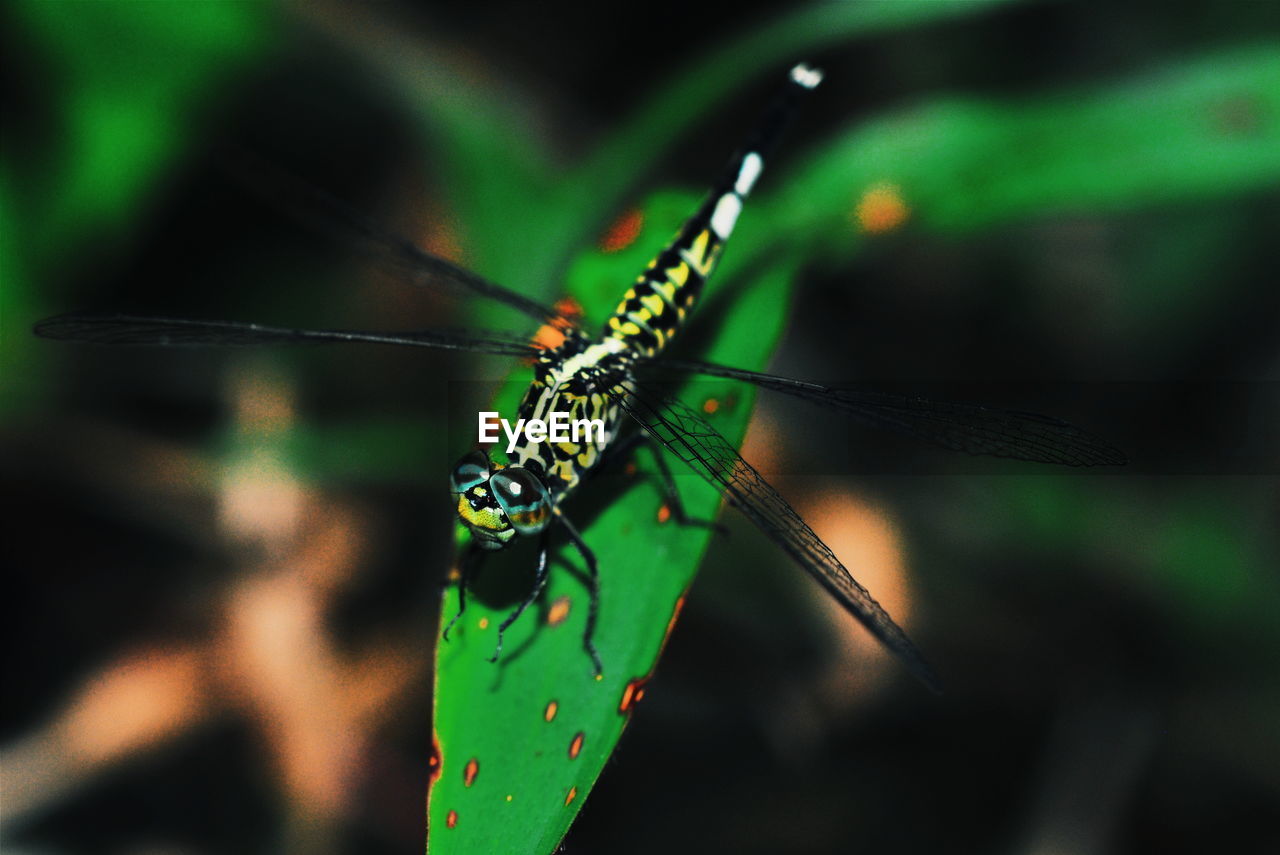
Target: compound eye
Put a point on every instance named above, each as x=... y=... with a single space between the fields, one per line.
x=524 y=497
x=471 y=471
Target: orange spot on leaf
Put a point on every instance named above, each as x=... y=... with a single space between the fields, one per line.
x=576 y=745
x=881 y=209
x=433 y=761
x=451 y=819
x=573 y=793
x=559 y=611
x=1238 y=116
x=470 y=771
x=631 y=693
x=623 y=232
x=710 y=406
x=664 y=514
x=552 y=708
x=483 y=623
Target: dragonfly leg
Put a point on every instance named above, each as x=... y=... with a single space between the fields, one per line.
x=673 y=494
x=539 y=583
x=622 y=449
x=470 y=559
x=593 y=580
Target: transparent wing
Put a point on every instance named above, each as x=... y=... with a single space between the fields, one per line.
x=321 y=211
x=971 y=428
x=688 y=436
x=130 y=329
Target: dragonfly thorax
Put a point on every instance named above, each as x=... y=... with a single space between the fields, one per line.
x=576 y=380
x=498 y=502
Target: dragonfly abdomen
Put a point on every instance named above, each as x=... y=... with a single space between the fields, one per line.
x=653 y=310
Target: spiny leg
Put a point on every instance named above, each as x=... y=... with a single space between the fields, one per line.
x=470 y=559
x=622 y=449
x=539 y=583
x=673 y=494
x=593 y=583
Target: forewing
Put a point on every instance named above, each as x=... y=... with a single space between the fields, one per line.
x=705 y=451
x=130 y=329
x=323 y=212
x=971 y=428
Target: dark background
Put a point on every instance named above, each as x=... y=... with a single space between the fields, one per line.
x=221 y=569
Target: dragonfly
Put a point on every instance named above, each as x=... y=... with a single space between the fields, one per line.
x=600 y=376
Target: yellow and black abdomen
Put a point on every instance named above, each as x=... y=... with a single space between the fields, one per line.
x=652 y=310
x=655 y=307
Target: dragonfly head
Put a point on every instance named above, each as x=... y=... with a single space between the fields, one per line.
x=499 y=502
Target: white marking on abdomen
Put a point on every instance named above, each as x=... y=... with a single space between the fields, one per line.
x=806 y=76
x=726 y=214
x=747 y=175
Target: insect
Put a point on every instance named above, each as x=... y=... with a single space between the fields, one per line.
x=599 y=377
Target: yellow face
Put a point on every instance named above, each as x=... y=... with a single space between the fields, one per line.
x=485 y=517
x=496 y=503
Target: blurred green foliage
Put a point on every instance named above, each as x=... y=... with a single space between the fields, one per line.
x=130 y=87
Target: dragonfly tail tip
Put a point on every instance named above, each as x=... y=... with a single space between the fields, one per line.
x=806 y=75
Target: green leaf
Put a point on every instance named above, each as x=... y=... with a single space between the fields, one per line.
x=1202 y=129
x=521 y=742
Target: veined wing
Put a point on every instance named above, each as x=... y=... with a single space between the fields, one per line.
x=323 y=212
x=132 y=329
x=705 y=451
x=971 y=428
